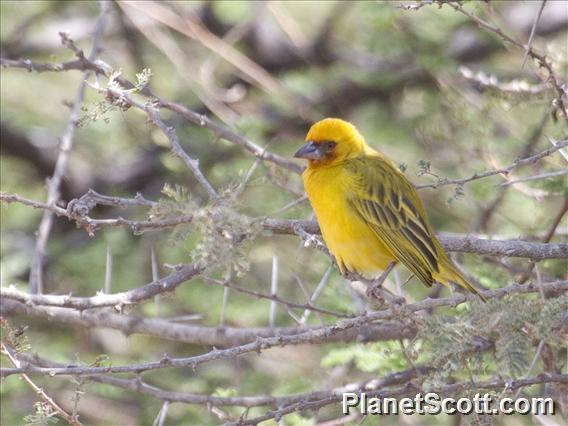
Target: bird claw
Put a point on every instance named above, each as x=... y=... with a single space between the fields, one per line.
x=374 y=292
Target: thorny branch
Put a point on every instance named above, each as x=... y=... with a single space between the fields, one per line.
x=77 y=210
x=261 y=343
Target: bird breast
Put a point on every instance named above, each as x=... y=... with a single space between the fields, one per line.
x=354 y=245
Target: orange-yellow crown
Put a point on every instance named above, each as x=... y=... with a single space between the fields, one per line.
x=334 y=129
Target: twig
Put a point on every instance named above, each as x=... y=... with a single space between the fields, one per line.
x=291 y=204
x=307 y=294
x=547 y=237
x=92 y=198
x=419 y=5
x=533 y=30
x=484 y=81
x=464 y=244
x=219 y=130
x=539 y=282
x=44 y=229
x=140 y=386
x=77 y=211
x=556 y=222
x=170 y=133
x=248 y=175
x=15 y=198
x=536 y=177
x=377 y=283
x=43 y=67
x=224 y=132
x=72 y=420
x=553 y=143
x=529 y=50
x=503 y=170
x=276 y=298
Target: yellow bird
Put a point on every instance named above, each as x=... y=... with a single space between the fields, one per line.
x=370 y=214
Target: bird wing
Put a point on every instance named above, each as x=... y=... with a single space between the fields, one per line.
x=384 y=199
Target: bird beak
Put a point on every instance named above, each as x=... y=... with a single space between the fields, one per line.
x=310 y=151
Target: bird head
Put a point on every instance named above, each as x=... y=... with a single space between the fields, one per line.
x=331 y=141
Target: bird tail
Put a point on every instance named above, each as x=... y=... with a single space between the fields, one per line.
x=449 y=273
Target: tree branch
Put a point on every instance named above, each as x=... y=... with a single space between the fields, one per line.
x=76 y=210
x=464 y=244
x=195 y=334
x=117 y=300
x=262 y=343
x=43 y=67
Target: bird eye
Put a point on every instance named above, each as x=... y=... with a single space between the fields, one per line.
x=330 y=145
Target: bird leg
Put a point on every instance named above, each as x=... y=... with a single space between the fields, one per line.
x=379 y=281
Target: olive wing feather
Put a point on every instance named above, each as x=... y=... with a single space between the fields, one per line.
x=385 y=200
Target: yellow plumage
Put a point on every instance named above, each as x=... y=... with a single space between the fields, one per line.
x=370 y=215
